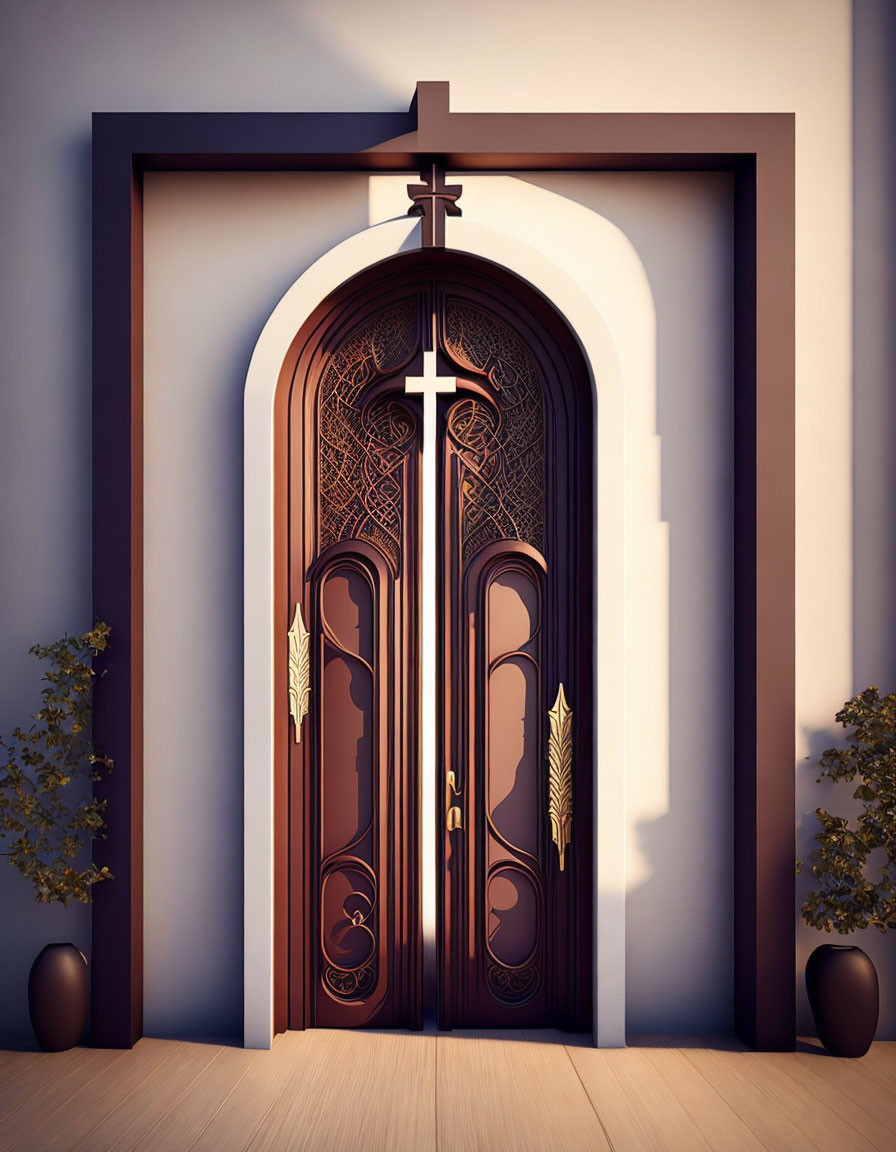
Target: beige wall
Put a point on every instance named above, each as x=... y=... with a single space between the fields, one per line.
x=220 y=250
x=63 y=59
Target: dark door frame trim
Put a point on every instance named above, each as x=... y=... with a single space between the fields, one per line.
x=758 y=149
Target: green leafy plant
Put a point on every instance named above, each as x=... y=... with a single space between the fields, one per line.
x=848 y=897
x=47 y=813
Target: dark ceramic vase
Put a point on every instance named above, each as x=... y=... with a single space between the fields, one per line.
x=844 y=997
x=57 y=997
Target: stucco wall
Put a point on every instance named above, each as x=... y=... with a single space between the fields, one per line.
x=219 y=252
x=62 y=60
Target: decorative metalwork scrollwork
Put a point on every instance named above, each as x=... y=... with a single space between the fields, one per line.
x=364 y=445
x=500 y=444
x=560 y=779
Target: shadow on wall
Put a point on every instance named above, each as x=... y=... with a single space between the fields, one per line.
x=874 y=412
x=221 y=248
x=45 y=493
x=680 y=566
x=132 y=60
x=874 y=344
x=684 y=982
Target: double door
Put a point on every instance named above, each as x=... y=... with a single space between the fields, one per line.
x=500 y=935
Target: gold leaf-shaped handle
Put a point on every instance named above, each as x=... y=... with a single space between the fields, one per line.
x=299 y=671
x=560 y=773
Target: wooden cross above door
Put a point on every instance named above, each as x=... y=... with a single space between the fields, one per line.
x=434 y=200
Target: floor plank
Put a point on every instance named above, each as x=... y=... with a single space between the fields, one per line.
x=874 y=1065
x=830 y=1111
x=125 y=1124
x=774 y=1078
x=513 y=1091
x=12 y=1063
x=266 y=1084
x=364 y=1091
x=766 y=1116
x=646 y=1108
x=609 y=1096
x=335 y=1091
x=881 y=1061
x=63 y=1131
x=37 y=1075
x=199 y=1102
x=719 y=1125
x=853 y=1080
x=48 y=1098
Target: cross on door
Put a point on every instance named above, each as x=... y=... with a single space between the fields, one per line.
x=429 y=385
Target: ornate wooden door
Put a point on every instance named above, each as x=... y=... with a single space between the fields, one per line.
x=513 y=781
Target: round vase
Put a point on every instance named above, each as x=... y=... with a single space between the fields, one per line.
x=57 y=997
x=844 y=998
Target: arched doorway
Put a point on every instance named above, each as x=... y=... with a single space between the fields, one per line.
x=508 y=941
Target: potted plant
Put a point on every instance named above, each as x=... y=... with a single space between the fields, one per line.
x=49 y=817
x=856 y=872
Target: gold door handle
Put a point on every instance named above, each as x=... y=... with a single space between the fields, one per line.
x=299 y=671
x=453 y=819
x=560 y=773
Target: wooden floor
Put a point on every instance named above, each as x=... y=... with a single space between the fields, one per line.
x=448 y=1091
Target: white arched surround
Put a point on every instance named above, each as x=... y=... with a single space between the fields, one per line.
x=592 y=275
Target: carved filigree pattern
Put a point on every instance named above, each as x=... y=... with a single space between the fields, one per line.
x=350 y=985
x=560 y=779
x=364 y=446
x=512 y=985
x=500 y=445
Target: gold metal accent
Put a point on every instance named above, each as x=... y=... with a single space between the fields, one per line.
x=560 y=777
x=299 y=671
x=453 y=819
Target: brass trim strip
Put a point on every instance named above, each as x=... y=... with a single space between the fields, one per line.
x=560 y=774
x=299 y=671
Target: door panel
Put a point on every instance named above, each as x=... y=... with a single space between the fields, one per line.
x=353 y=794
x=515 y=608
x=355 y=444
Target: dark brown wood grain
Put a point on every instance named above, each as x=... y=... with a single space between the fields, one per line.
x=355 y=517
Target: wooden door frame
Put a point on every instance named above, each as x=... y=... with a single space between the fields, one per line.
x=759 y=151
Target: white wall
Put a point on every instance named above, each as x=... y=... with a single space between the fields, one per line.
x=679 y=654
x=62 y=59
x=220 y=250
